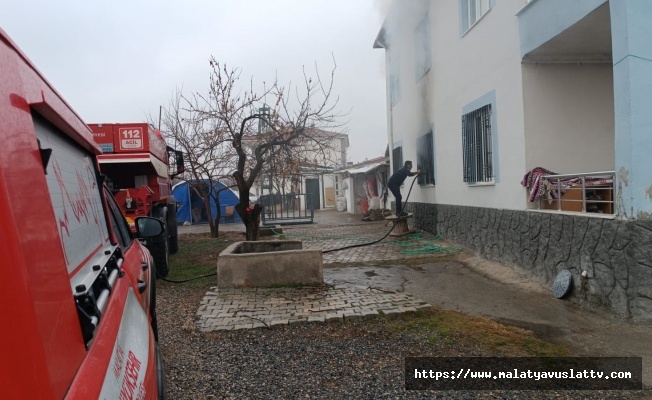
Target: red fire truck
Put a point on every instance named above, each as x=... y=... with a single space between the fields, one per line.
x=136 y=161
x=77 y=297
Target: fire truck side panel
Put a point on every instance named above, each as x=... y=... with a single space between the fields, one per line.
x=163 y=187
x=103 y=136
x=157 y=146
x=130 y=138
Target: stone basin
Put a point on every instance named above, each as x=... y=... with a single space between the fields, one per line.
x=269 y=263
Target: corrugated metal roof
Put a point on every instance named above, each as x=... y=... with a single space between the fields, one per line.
x=364 y=168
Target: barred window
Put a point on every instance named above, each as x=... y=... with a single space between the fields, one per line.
x=397 y=158
x=426 y=160
x=476 y=143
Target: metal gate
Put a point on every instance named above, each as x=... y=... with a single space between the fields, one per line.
x=285 y=209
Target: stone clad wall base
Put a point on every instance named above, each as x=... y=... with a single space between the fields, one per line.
x=270 y=263
x=616 y=255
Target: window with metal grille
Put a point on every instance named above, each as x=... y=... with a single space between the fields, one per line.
x=397 y=158
x=394 y=78
x=426 y=160
x=422 y=59
x=476 y=144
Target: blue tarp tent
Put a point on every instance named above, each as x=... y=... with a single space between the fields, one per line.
x=190 y=207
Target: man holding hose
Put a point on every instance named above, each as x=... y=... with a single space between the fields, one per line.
x=394 y=184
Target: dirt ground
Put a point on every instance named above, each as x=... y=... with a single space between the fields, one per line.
x=477 y=287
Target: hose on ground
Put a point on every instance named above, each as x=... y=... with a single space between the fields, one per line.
x=375 y=241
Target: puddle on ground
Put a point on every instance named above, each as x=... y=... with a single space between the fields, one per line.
x=388 y=279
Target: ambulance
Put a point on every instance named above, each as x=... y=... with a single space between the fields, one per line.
x=77 y=288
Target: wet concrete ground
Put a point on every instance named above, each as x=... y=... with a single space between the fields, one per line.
x=467 y=284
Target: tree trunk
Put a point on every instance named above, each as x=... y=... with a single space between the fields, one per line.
x=211 y=221
x=215 y=229
x=251 y=218
x=215 y=233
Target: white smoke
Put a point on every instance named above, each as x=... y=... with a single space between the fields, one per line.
x=382 y=7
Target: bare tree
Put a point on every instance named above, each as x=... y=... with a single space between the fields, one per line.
x=235 y=115
x=207 y=150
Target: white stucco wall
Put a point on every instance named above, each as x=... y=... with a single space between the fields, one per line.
x=353 y=195
x=348 y=194
x=569 y=117
x=486 y=59
x=412 y=116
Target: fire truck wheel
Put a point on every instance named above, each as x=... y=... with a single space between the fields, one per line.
x=172 y=227
x=159 y=245
x=174 y=245
x=161 y=254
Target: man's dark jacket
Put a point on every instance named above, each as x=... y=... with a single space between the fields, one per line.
x=399 y=176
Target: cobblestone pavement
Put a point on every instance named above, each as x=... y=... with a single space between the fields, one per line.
x=231 y=309
x=334 y=230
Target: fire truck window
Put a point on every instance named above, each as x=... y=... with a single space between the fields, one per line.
x=118 y=222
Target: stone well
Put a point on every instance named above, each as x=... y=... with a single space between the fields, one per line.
x=269 y=263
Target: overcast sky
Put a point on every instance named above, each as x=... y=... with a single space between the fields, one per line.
x=119 y=60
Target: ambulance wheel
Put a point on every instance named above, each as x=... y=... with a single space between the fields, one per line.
x=152 y=302
x=160 y=373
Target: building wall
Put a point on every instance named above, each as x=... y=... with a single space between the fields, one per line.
x=545 y=19
x=484 y=63
x=331 y=156
x=349 y=195
x=536 y=109
x=334 y=156
x=569 y=117
x=615 y=254
x=411 y=116
x=632 y=59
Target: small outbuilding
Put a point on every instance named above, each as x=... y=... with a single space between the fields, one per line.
x=365 y=185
